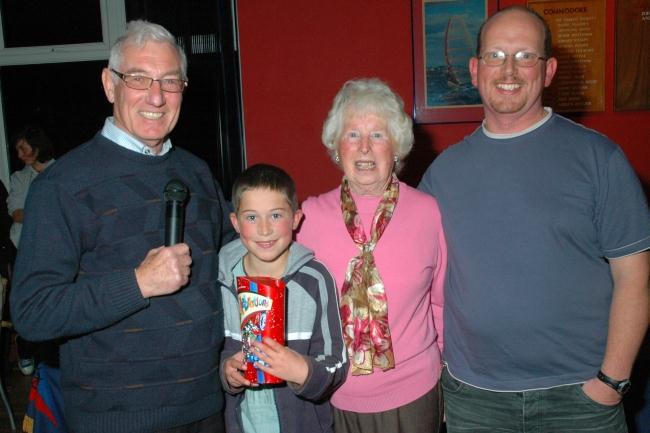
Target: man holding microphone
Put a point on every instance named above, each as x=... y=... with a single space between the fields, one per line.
x=141 y=323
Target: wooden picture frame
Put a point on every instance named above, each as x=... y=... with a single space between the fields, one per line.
x=444 y=38
x=632 y=83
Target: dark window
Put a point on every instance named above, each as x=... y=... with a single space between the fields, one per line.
x=70 y=110
x=29 y=23
x=73 y=110
x=210 y=121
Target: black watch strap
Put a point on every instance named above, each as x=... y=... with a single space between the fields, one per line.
x=620 y=386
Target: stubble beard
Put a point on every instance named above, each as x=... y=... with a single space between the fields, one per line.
x=507 y=104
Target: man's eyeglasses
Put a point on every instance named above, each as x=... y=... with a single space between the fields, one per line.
x=521 y=58
x=141 y=82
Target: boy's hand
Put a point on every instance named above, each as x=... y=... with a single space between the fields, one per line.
x=234 y=368
x=281 y=361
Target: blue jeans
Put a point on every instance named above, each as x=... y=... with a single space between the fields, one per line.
x=563 y=409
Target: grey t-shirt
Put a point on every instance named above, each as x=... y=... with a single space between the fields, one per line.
x=530 y=221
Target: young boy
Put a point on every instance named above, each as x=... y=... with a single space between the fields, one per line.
x=313 y=363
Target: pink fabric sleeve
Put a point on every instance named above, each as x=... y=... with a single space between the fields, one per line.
x=438 y=281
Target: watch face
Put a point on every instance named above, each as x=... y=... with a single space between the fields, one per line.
x=624 y=386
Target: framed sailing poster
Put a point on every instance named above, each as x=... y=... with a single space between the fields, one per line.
x=444 y=39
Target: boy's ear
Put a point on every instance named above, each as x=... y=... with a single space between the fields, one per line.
x=234 y=222
x=297 y=216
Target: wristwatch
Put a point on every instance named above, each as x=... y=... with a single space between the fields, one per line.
x=620 y=386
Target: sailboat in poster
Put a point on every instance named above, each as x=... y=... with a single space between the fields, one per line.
x=450 y=83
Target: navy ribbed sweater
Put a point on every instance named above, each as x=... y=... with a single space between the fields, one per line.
x=128 y=364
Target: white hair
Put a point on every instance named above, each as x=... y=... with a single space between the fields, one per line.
x=369 y=95
x=138 y=33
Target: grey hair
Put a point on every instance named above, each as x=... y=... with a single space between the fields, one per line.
x=138 y=33
x=369 y=96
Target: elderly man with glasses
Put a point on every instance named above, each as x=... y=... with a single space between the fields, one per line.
x=141 y=323
x=548 y=231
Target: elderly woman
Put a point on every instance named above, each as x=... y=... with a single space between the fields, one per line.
x=383 y=242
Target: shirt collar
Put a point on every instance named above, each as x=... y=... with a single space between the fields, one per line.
x=542 y=121
x=127 y=141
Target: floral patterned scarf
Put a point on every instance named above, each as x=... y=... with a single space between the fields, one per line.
x=364 y=306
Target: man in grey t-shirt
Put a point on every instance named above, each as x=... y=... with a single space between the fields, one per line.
x=548 y=230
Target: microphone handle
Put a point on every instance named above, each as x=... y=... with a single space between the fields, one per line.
x=174 y=222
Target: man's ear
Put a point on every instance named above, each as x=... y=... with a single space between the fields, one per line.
x=109 y=85
x=551 y=67
x=473 y=70
x=234 y=222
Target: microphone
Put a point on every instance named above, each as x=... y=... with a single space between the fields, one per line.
x=175 y=195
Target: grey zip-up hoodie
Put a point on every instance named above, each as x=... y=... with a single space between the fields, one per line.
x=313 y=329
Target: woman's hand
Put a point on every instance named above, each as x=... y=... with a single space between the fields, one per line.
x=280 y=361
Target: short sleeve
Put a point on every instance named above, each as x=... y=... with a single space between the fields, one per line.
x=623 y=218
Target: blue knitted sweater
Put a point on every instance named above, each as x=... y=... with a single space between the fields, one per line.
x=128 y=364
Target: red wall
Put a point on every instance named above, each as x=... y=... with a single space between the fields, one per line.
x=296 y=54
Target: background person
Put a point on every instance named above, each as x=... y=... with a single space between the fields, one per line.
x=35 y=150
x=142 y=323
x=383 y=242
x=548 y=231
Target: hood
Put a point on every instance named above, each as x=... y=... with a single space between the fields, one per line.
x=232 y=253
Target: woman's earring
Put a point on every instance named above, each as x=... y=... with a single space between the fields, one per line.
x=395 y=158
x=336 y=157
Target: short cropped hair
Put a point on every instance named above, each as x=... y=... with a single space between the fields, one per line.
x=138 y=33
x=369 y=96
x=37 y=140
x=548 y=39
x=264 y=176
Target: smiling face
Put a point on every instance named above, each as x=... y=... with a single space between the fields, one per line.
x=147 y=115
x=265 y=223
x=512 y=95
x=366 y=153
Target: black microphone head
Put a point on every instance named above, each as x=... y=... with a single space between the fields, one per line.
x=175 y=190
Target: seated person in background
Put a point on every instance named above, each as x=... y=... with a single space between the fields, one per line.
x=35 y=150
x=313 y=362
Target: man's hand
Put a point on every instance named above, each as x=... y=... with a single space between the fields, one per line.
x=233 y=369
x=164 y=270
x=281 y=361
x=601 y=393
